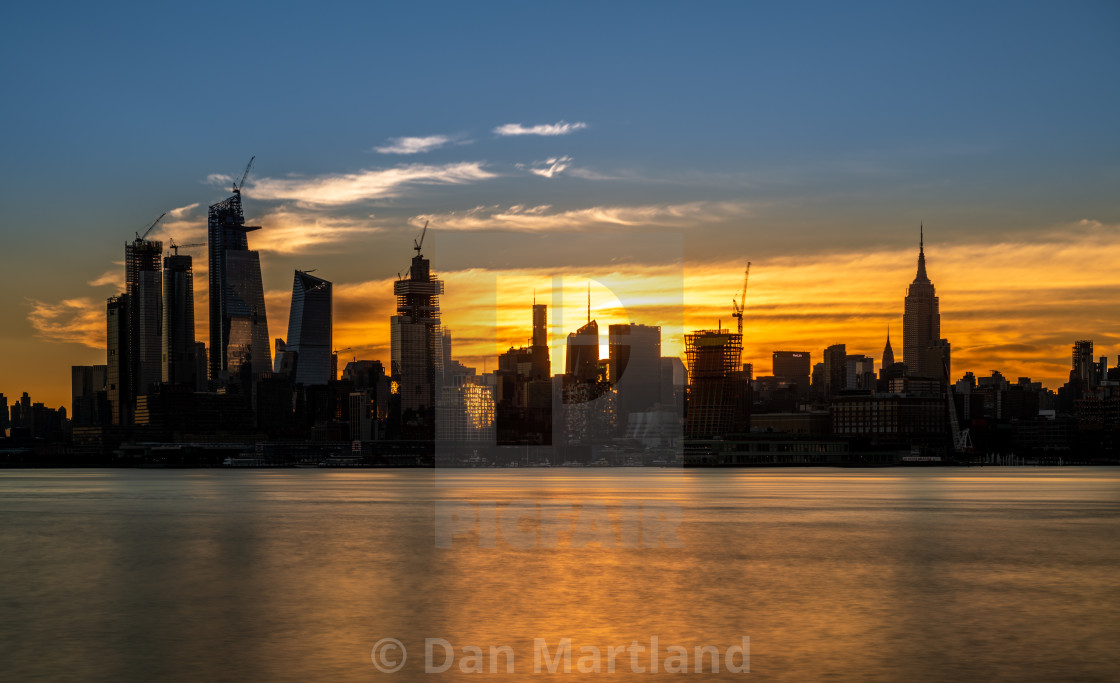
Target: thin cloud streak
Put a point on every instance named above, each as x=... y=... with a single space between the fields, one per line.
x=348 y=188
x=413 y=145
x=546 y=129
x=542 y=218
x=553 y=167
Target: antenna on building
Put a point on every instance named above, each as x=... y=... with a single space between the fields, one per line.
x=589 y=302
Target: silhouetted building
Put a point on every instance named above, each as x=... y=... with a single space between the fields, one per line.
x=89 y=405
x=924 y=352
x=417 y=346
x=144 y=286
x=795 y=367
x=718 y=393
x=179 y=357
x=309 y=344
x=238 y=319
x=635 y=367
x=888 y=352
x=119 y=371
x=583 y=353
x=523 y=389
x=835 y=369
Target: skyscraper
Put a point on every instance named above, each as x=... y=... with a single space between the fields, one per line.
x=888 y=352
x=179 y=346
x=794 y=366
x=923 y=350
x=583 y=353
x=835 y=369
x=635 y=366
x=309 y=341
x=118 y=384
x=415 y=337
x=143 y=284
x=238 y=320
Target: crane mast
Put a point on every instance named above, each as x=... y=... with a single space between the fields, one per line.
x=737 y=306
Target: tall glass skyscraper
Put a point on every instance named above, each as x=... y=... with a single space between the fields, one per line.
x=309 y=340
x=238 y=320
x=179 y=350
x=143 y=284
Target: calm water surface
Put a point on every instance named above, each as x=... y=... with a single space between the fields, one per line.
x=293 y=575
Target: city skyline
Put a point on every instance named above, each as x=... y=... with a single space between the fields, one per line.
x=491 y=314
x=813 y=149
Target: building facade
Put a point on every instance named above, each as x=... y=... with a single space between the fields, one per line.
x=309 y=345
x=238 y=320
x=179 y=354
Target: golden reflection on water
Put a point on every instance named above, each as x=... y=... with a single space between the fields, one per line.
x=294 y=575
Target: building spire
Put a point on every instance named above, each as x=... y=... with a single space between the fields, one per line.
x=888 y=352
x=921 y=276
x=589 y=302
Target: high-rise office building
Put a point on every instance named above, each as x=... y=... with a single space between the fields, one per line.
x=635 y=366
x=923 y=351
x=179 y=346
x=309 y=344
x=144 y=286
x=238 y=320
x=89 y=404
x=835 y=370
x=793 y=366
x=1083 y=373
x=118 y=383
x=415 y=337
x=583 y=353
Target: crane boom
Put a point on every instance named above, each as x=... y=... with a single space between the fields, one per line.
x=140 y=237
x=416 y=244
x=238 y=185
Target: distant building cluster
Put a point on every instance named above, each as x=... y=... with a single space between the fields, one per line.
x=164 y=398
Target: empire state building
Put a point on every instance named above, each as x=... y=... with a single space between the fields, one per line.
x=925 y=353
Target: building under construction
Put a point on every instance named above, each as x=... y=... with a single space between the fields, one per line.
x=238 y=320
x=417 y=345
x=718 y=390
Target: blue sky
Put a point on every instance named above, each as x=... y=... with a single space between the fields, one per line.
x=787 y=128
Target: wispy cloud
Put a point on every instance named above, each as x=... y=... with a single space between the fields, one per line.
x=549 y=129
x=347 y=188
x=543 y=218
x=552 y=167
x=413 y=145
x=289 y=230
x=219 y=179
x=76 y=321
x=113 y=277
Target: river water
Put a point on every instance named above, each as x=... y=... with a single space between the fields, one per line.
x=295 y=575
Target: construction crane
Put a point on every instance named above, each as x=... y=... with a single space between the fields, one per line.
x=140 y=237
x=238 y=185
x=177 y=247
x=737 y=306
x=416 y=244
